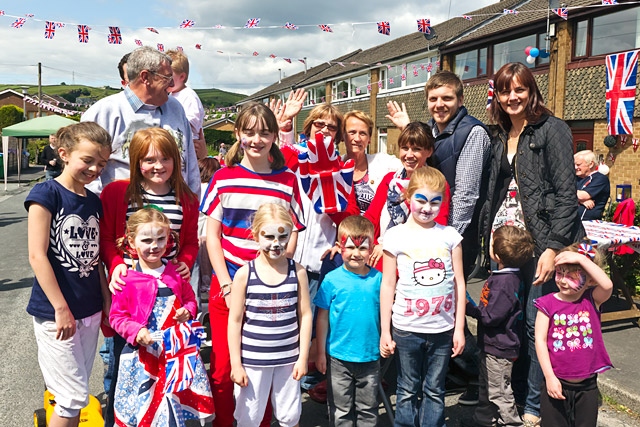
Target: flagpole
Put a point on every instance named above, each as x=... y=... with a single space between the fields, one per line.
x=548 y=26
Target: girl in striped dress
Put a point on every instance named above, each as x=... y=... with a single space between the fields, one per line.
x=255 y=175
x=269 y=325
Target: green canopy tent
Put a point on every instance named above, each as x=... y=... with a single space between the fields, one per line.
x=40 y=127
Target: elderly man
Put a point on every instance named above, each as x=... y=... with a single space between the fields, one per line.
x=592 y=186
x=143 y=103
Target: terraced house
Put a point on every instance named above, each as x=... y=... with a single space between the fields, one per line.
x=571 y=78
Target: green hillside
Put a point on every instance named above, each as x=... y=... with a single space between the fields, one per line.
x=218 y=98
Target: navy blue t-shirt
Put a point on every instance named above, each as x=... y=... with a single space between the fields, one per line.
x=598 y=187
x=74 y=243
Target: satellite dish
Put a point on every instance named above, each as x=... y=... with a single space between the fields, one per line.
x=431 y=34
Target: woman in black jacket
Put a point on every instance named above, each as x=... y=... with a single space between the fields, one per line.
x=531 y=185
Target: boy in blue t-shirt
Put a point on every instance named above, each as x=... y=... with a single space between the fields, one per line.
x=348 y=328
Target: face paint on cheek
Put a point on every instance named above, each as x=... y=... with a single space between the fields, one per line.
x=244 y=143
x=425 y=208
x=273 y=239
x=575 y=280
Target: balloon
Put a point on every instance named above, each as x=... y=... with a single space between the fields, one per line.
x=531 y=59
x=534 y=52
x=527 y=50
x=544 y=54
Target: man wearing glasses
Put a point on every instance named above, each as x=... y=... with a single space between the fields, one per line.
x=144 y=103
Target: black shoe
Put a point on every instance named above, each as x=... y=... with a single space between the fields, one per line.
x=470 y=396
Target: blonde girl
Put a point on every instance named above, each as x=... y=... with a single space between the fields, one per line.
x=422 y=314
x=269 y=325
x=568 y=338
x=69 y=290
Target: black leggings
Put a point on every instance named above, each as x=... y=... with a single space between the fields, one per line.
x=579 y=409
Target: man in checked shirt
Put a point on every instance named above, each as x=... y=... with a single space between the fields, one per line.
x=462 y=151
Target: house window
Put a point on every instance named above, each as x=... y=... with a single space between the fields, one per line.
x=352 y=87
x=341 y=89
x=467 y=64
x=512 y=51
x=316 y=95
x=581 y=39
x=601 y=35
x=542 y=44
x=417 y=71
x=359 y=85
x=382 y=140
x=408 y=74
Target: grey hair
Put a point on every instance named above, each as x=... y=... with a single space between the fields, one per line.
x=145 y=58
x=588 y=156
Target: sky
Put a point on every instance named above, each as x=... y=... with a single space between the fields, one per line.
x=226 y=59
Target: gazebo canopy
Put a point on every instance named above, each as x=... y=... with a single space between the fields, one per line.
x=37 y=128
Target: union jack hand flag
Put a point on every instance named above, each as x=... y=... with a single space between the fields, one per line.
x=138 y=42
x=384 y=28
x=609 y=2
x=326 y=181
x=187 y=23
x=160 y=47
x=49 y=30
x=252 y=23
x=83 y=33
x=114 y=36
x=181 y=346
x=490 y=94
x=562 y=12
x=424 y=26
x=621 y=91
x=510 y=11
x=18 y=23
x=153 y=30
x=325 y=28
x=290 y=26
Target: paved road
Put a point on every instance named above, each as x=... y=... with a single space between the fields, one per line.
x=21 y=383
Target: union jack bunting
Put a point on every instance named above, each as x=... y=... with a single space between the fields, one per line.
x=1 y=12
x=303 y=61
x=621 y=91
x=60 y=24
x=218 y=27
x=403 y=77
x=635 y=144
x=272 y=56
x=153 y=30
x=429 y=67
x=18 y=23
x=384 y=28
x=181 y=345
x=29 y=15
x=288 y=60
x=510 y=11
x=369 y=87
x=179 y=49
x=424 y=26
x=255 y=53
x=160 y=47
x=83 y=33
x=252 y=23
x=379 y=84
x=326 y=181
x=490 y=94
x=562 y=12
x=114 y=36
x=390 y=80
x=290 y=26
x=325 y=28
x=49 y=30
x=198 y=46
x=187 y=23
x=138 y=42
x=467 y=17
x=609 y=2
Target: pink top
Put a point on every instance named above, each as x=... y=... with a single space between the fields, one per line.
x=574 y=339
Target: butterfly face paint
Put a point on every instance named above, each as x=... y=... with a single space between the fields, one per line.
x=355 y=252
x=570 y=280
x=273 y=239
x=425 y=205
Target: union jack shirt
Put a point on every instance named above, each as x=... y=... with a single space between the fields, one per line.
x=187 y=23
x=424 y=26
x=252 y=23
x=18 y=23
x=114 y=36
x=83 y=33
x=325 y=28
x=621 y=91
x=384 y=28
x=49 y=30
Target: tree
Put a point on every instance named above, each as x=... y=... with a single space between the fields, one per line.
x=10 y=115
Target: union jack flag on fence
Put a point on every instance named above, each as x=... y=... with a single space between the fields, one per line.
x=49 y=30
x=326 y=181
x=114 y=36
x=424 y=25
x=252 y=23
x=18 y=23
x=83 y=33
x=181 y=345
x=384 y=28
x=187 y=23
x=490 y=94
x=621 y=91
x=325 y=28
x=562 y=12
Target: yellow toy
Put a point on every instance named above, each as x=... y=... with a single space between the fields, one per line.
x=90 y=415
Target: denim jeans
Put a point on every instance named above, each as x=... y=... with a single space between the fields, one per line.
x=422 y=361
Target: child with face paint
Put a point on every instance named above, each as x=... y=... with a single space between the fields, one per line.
x=569 y=341
x=255 y=174
x=348 y=328
x=426 y=305
x=155 y=297
x=269 y=325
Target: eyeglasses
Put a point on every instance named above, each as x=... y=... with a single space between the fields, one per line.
x=166 y=78
x=320 y=125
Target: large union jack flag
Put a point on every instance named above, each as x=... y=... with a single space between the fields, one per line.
x=181 y=346
x=324 y=178
x=49 y=29
x=187 y=23
x=114 y=36
x=252 y=23
x=18 y=23
x=424 y=26
x=621 y=91
x=83 y=33
x=384 y=28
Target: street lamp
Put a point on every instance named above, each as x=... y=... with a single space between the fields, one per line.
x=25 y=92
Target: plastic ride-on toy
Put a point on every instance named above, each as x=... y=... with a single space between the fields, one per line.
x=90 y=415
